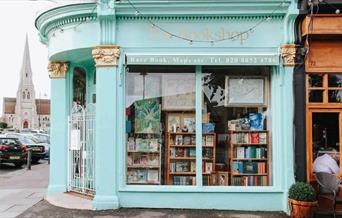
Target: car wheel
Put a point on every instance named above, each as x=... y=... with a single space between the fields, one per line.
x=18 y=165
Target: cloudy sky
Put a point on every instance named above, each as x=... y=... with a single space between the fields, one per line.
x=16 y=19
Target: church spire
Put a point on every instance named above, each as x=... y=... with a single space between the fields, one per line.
x=26 y=71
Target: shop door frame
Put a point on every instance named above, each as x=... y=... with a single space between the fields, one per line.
x=309 y=151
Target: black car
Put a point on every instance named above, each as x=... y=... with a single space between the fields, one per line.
x=38 y=150
x=12 y=151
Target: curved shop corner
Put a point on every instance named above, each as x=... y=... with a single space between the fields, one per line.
x=173 y=104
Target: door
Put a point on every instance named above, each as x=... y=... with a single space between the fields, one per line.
x=323 y=132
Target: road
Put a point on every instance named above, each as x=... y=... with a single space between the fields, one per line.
x=20 y=189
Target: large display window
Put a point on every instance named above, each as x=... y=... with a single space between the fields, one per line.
x=162 y=138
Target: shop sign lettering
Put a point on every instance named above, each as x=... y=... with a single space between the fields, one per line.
x=203 y=60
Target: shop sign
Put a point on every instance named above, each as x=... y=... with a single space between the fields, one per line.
x=272 y=59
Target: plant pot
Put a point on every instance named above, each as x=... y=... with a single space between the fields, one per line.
x=302 y=209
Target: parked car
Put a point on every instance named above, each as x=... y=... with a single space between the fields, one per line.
x=43 y=139
x=38 y=150
x=12 y=151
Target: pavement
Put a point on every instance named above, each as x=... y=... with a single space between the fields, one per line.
x=20 y=189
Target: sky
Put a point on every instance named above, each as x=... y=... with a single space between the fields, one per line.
x=16 y=19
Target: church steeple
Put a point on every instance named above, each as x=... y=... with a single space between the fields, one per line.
x=26 y=71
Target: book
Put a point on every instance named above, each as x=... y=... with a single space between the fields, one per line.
x=192 y=166
x=209 y=140
x=153 y=175
x=192 y=152
x=153 y=145
x=208 y=167
x=187 y=140
x=262 y=138
x=179 y=140
x=129 y=160
x=130 y=144
x=144 y=160
x=254 y=138
x=240 y=152
x=154 y=160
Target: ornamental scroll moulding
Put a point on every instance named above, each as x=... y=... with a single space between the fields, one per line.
x=288 y=53
x=57 y=69
x=106 y=55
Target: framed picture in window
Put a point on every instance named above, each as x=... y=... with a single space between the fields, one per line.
x=242 y=91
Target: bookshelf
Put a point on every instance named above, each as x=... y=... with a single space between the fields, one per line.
x=143 y=160
x=181 y=157
x=249 y=157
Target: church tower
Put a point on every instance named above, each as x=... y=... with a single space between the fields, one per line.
x=25 y=109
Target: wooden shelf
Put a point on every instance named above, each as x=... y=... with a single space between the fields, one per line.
x=156 y=152
x=171 y=162
x=250 y=174
x=144 y=167
x=182 y=173
x=190 y=146
x=250 y=159
x=258 y=164
x=143 y=182
x=190 y=133
x=182 y=158
x=247 y=131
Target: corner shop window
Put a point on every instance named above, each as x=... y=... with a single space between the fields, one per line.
x=160 y=126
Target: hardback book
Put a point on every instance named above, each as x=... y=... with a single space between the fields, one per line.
x=262 y=138
x=144 y=160
x=180 y=152
x=142 y=144
x=129 y=160
x=179 y=140
x=182 y=167
x=240 y=152
x=154 y=145
x=250 y=167
x=209 y=140
x=254 y=138
x=153 y=175
x=154 y=160
x=193 y=140
x=187 y=140
x=192 y=166
x=172 y=152
x=130 y=144
x=141 y=175
x=136 y=160
x=208 y=167
x=192 y=152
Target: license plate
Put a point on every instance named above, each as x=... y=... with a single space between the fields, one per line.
x=36 y=149
x=14 y=158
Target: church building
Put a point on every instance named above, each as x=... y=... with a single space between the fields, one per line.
x=26 y=111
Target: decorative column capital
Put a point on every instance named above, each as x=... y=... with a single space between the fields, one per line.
x=288 y=53
x=57 y=69
x=106 y=55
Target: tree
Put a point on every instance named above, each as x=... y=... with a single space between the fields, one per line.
x=3 y=125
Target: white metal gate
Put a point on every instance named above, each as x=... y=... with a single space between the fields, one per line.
x=81 y=155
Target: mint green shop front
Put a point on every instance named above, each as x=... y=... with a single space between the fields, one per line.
x=107 y=36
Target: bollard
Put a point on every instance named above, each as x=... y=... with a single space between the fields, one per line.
x=29 y=157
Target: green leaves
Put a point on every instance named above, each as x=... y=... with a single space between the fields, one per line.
x=301 y=191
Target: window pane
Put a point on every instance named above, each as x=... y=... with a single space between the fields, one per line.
x=315 y=80
x=160 y=126
x=315 y=96
x=325 y=139
x=335 y=96
x=235 y=137
x=335 y=80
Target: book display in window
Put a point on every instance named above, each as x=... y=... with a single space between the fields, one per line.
x=181 y=157
x=143 y=160
x=249 y=157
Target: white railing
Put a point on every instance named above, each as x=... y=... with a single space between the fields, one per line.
x=81 y=150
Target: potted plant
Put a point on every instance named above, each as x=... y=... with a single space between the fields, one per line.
x=302 y=200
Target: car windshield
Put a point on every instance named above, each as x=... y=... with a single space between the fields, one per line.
x=43 y=138
x=9 y=142
x=26 y=140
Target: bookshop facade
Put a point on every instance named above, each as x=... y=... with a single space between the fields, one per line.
x=181 y=111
